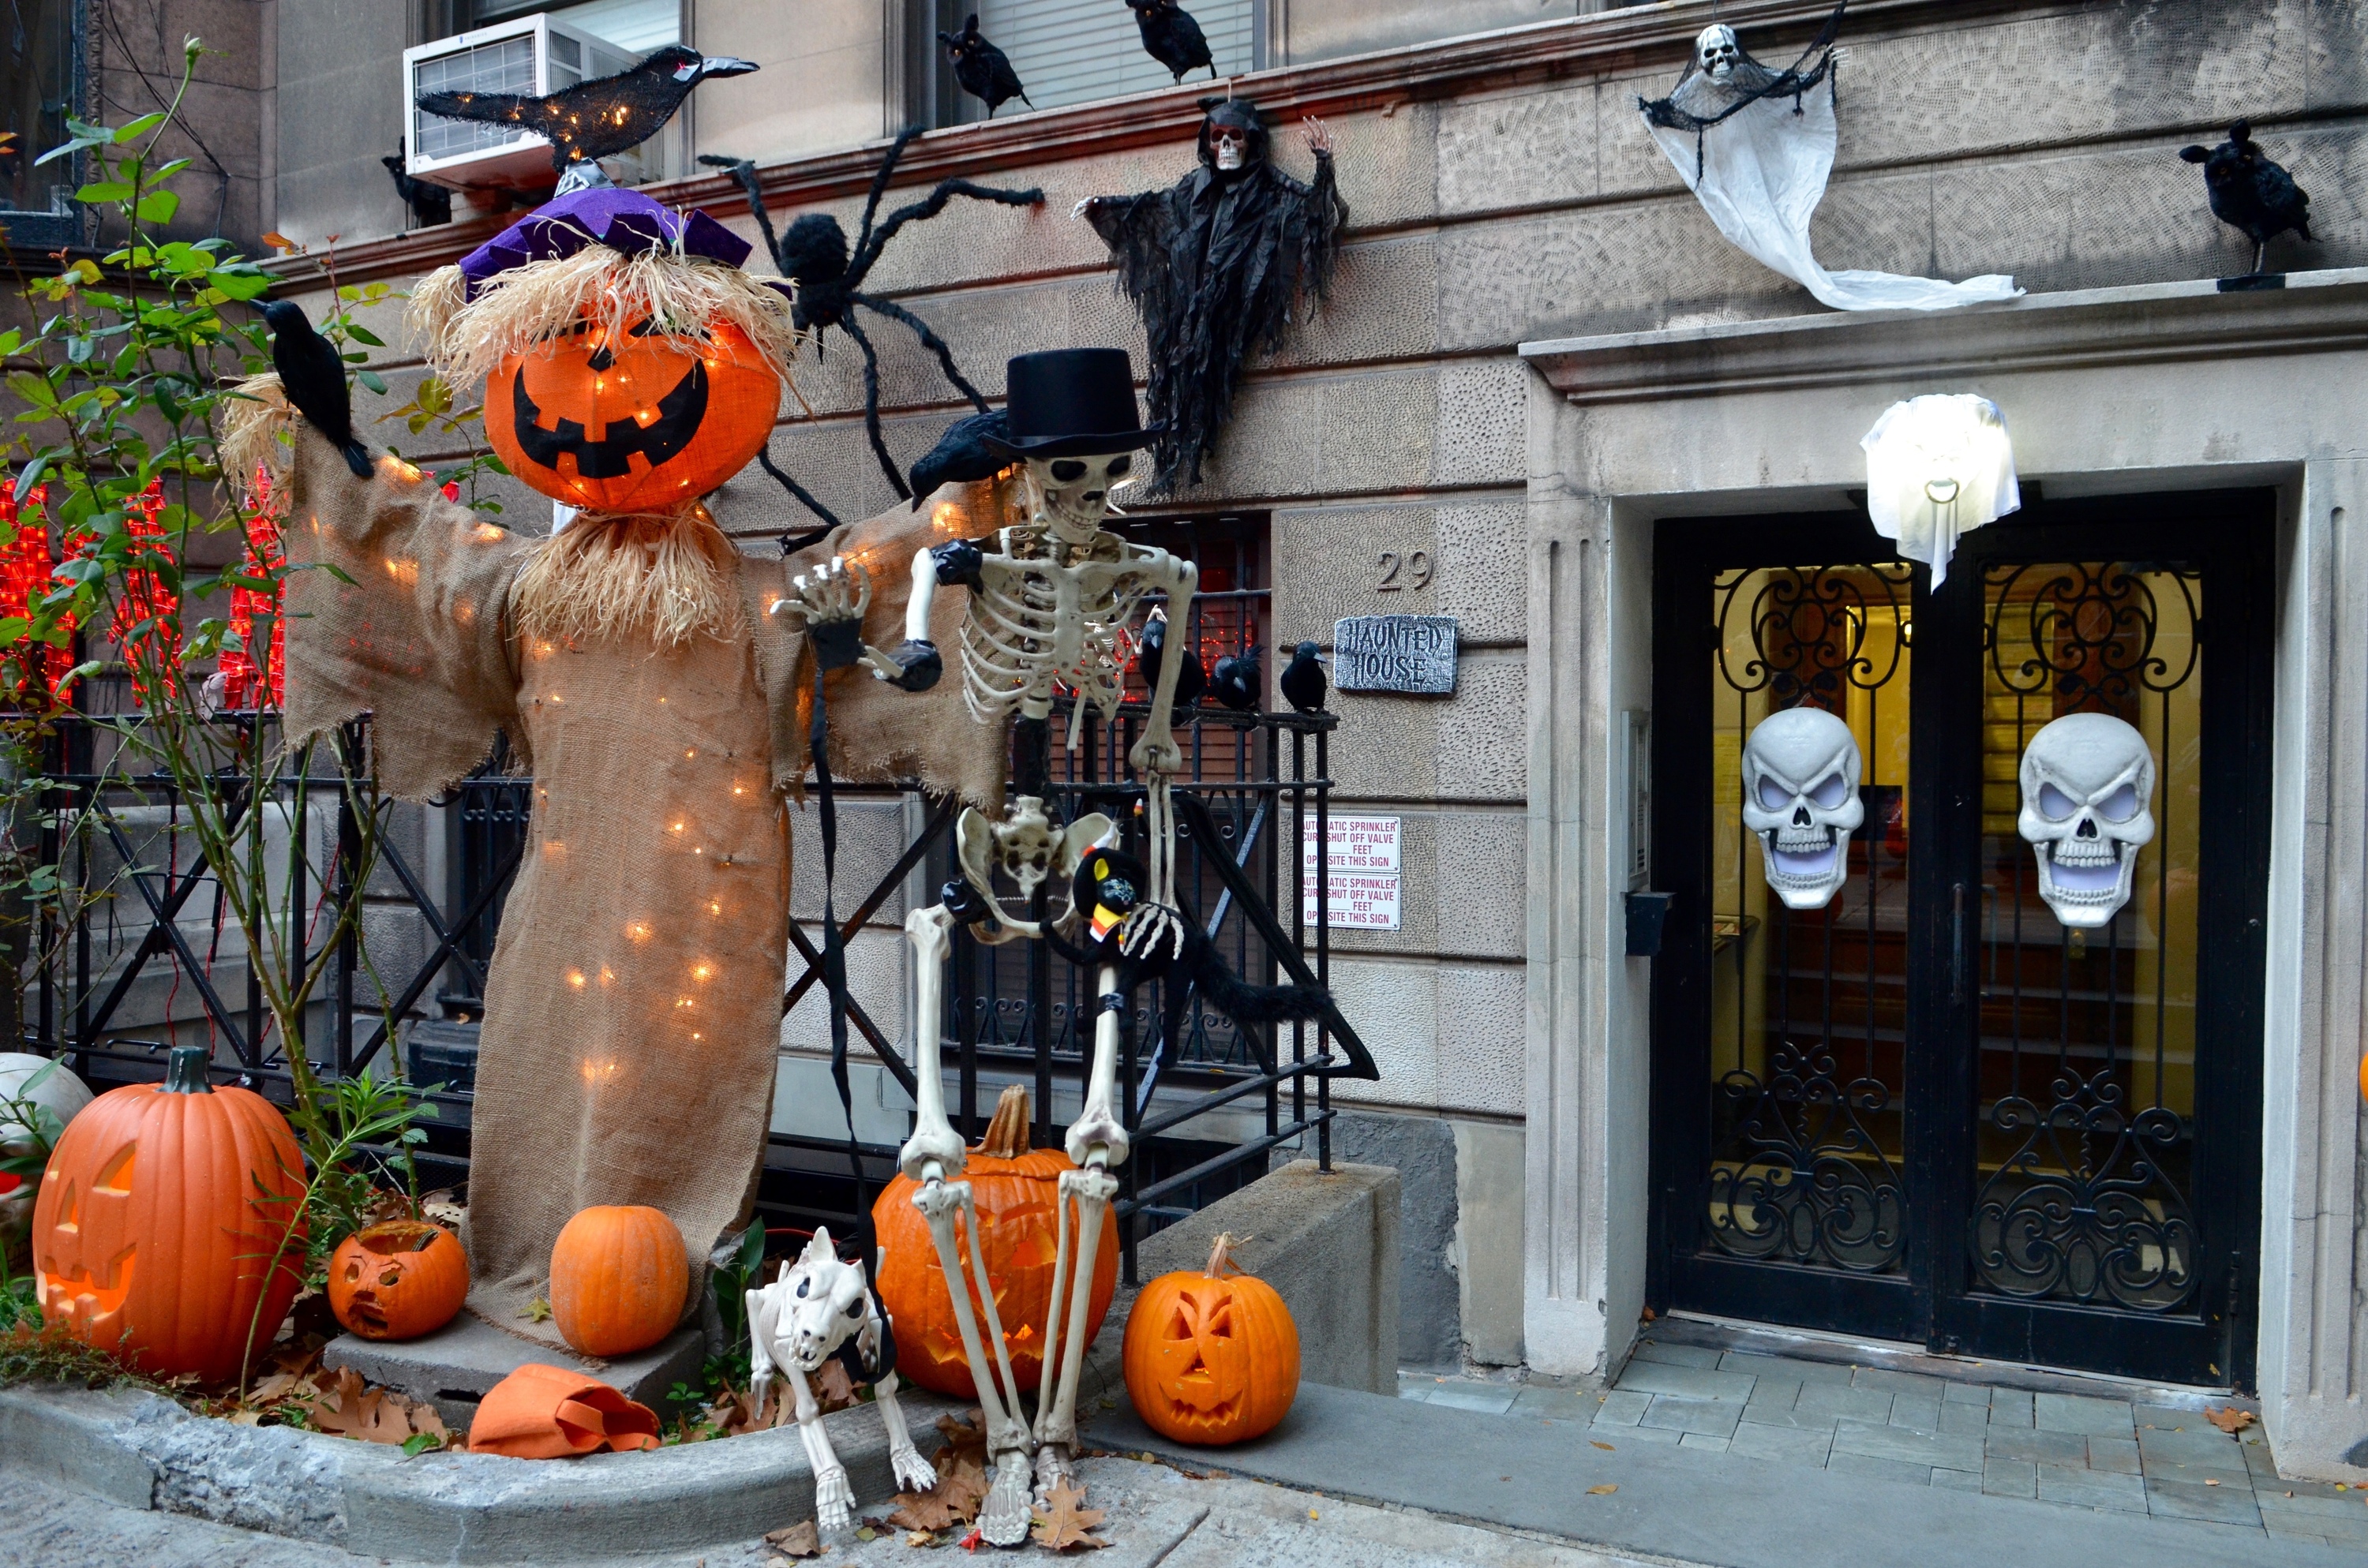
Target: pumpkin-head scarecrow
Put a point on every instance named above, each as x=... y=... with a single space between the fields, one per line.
x=632 y=659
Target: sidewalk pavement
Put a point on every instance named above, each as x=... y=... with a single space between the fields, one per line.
x=2125 y=1455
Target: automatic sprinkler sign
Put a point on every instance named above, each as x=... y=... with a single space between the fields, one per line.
x=1361 y=885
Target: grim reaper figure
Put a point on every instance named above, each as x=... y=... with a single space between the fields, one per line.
x=1756 y=146
x=1219 y=265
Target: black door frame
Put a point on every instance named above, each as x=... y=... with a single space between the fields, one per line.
x=2230 y=535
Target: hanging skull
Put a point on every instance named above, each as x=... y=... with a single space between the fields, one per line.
x=1072 y=494
x=1800 y=795
x=2088 y=794
x=1230 y=145
x=1716 y=51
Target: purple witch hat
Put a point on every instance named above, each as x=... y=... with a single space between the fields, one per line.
x=624 y=220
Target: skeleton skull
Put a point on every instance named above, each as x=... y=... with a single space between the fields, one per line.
x=1800 y=795
x=1072 y=494
x=1716 y=50
x=2088 y=794
x=1230 y=145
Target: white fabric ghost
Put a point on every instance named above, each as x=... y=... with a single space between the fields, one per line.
x=1762 y=173
x=1937 y=468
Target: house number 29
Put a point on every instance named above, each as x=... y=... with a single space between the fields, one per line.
x=1414 y=566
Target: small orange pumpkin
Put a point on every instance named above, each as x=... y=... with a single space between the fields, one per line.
x=618 y=1278
x=642 y=423
x=162 y=1209
x=398 y=1279
x=1015 y=1190
x=1211 y=1357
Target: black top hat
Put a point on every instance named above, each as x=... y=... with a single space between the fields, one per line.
x=1071 y=403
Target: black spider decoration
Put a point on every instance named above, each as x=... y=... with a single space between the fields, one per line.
x=814 y=256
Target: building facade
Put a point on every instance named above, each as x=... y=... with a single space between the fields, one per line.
x=1627 y=459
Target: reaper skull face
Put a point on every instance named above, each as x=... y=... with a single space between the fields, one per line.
x=1071 y=495
x=1716 y=51
x=1800 y=795
x=1230 y=145
x=2088 y=794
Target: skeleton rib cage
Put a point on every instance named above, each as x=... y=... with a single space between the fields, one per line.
x=1019 y=639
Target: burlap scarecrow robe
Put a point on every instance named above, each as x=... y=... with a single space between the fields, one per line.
x=633 y=1004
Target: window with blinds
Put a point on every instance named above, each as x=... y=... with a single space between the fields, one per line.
x=1072 y=52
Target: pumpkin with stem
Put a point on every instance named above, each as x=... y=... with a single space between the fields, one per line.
x=1015 y=1190
x=618 y=1279
x=1211 y=1357
x=168 y=1230
x=398 y=1279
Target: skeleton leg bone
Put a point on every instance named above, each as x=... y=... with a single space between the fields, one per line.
x=1096 y=1141
x=834 y=1498
x=913 y=1472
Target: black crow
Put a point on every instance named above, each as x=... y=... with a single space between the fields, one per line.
x=983 y=71
x=961 y=455
x=429 y=204
x=1171 y=37
x=1236 y=682
x=603 y=117
x=1191 y=680
x=313 y=378
x=1302 y=681
x=2249 y=193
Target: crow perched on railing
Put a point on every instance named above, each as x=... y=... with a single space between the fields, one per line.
x=603 y=117
x=1171 y=37
x=983 y=70
x=1302 y=681
x=2250 y=193
x=1237 y=683
x=1191 y=680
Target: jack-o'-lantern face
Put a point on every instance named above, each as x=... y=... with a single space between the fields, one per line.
x=92 y=1251
x=638 y=420
x=1203 y=1368
x=398 y=1279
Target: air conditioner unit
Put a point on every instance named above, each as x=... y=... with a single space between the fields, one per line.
x=531 y=56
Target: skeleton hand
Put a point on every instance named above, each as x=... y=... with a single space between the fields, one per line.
x=1319 y=137
x=913 y=667
x=1156 y=754
x=1148 y=929
x=1840 y=54
x=833 y=598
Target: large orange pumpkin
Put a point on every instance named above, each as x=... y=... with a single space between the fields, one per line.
x=1014 y=1189
x=398 y=1279
x=1211 y=1357
x=618 y=1278
x=161 y=1221
x=639 y=423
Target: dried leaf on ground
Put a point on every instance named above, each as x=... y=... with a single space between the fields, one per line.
x=350 y=1408
x=440 y=1208
x=919 y=1538
x=797 y=1541
x=833 y=1390
x=2230 y=1419
x=1067 y=1526
x=1606 y=1490
x=964 y=1431
x=536 y=1311
x=1605 y=1447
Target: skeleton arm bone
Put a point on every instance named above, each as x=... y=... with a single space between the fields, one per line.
x=1157 y=751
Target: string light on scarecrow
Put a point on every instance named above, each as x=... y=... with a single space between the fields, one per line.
x=1938 y=468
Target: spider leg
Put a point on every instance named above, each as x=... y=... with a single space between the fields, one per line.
x=929 y=340
x=794 y=488
x=872 y=206
x=744 y=172
x=929 y=206
x=871 y=408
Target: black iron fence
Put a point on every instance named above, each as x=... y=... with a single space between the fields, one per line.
x=137 y=911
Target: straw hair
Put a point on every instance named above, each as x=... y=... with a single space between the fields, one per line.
x=526 y=307
x=251 y=429
x=667 y=577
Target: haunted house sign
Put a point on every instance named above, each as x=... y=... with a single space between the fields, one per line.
x=1395 y=652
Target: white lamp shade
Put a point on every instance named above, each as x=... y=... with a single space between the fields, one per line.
x=1939 y=467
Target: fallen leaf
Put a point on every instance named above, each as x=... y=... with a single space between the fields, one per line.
x=536 y=1311
x=1068 y=1525
x=797 y=1541
x=246 y=1417
x=1606 y=1490
x=867 y=1533
x=2209 y=1481
x=919 y=1538
x=923 y=1511
x=2229 y=1419
x=1650 y=1314
x=1605 y=1447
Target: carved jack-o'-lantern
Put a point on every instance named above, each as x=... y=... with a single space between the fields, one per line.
x=1014 y=1189
x=638 y=421
x=398 y=1281
x=160 y=1216
x=1211 y=1357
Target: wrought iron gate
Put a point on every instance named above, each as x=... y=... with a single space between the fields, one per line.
x=1930 y=1111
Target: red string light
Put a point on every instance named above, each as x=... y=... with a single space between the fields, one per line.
x=31 y=672
x=242 y=688
x=147 y=622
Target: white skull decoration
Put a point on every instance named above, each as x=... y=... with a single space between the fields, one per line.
x=1230 y=145
x=1072 y=494
x=1800 y=795
x=1716 y=50
x=2088 y=798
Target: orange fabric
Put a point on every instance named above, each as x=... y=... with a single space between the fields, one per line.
x=546 y=1413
